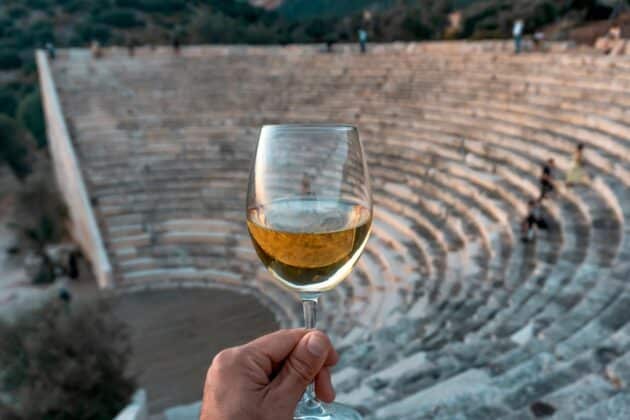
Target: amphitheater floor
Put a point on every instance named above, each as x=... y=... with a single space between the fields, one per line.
x=176 y=333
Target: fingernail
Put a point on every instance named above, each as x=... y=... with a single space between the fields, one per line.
x=316 y=344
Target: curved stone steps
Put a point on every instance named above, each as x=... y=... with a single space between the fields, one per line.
x=611 y=206
x=451 y=118
x=471 y=130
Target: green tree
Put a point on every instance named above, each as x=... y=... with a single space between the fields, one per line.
x=65 y=362
x=9 y=59
x=42 y=31
x=214 y=28
x=40 y=218
x=8 y=103
x=13 y=151
x=5 y=26
x=120 y=18
x=157 y=6
x=86 y=32
x=31 y=115
x=17 y=11
x=317 y=29
x=413 y=24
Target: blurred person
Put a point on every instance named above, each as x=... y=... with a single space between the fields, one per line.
x=329 y=45
x=176 y=45
x=546 y=179
x=576 y=173
x=64 y=295
x=95 y=47
x=611 y=43
x=265 y=378
x=131 y=47
x=614 y=33
x=517 y=32
x=50 y=49
x=306 y=185
x=539 y=41
x=73 y=265
x=363 y=36
x=533 y=219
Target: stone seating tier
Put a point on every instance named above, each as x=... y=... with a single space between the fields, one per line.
x=446 y=294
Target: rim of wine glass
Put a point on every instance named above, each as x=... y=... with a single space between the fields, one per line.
x=311 y=126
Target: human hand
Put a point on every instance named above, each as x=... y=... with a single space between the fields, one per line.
x=265 y=379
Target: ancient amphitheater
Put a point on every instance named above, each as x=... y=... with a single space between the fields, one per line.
x=448 y=315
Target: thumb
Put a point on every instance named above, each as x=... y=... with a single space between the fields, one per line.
x=302 y=366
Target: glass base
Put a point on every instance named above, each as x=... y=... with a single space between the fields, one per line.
x=322 y=411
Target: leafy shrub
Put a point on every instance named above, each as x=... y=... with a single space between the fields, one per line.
x=41 y=32
x=416 y=28
x=17 y=38
x=31 y=115
x=483 y=33
x=237 y=9
x=40 y=219
x=87 y=32
x=64 y=362
x=157 y=6
x=21 y=87
x=72 y=6
x=543 y=14
x=29 y=66
x=5 y=26
x=13 y=151
x=38 y=4
x=8 y=103
x=40 y=213
x=17 y=11
x=120 y=18
x=260 y=34
x=317 y=29
x=9 y=60
x=214 y=28
x=478 y=16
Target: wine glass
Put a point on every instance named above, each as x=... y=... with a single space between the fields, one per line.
x=309 y=214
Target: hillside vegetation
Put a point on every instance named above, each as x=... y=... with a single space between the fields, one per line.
x=29 y=24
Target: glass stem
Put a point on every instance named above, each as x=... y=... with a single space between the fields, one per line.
x=309 y=306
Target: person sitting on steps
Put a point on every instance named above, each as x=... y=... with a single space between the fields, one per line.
x=546 y=179
x=576 y=173
x=532 y=221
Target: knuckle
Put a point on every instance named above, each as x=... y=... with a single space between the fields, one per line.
x=300 y=369
x=250 y=357
x=223 y=360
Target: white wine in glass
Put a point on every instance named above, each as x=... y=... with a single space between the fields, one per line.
x=309 y=214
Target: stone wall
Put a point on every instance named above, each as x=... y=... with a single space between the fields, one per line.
x=84 y=227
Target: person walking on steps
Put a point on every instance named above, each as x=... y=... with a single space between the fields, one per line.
x=363 y=40
x=517 y=32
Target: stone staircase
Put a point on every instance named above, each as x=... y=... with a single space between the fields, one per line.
x=447 y=315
